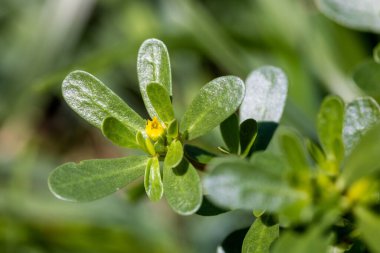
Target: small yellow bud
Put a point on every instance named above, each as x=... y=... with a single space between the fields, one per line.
x=359 y=190
x=154 y=129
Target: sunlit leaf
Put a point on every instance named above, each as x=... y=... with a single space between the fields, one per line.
x=152 y=180
x=174 y=155
x=369 y=227
x=94 y=179
x=265 y=95
x=361 y=114
x=160 y=100
x=118 y=133
x=182 y=188
x=215 y=102
x=153 y=66
x=330 y=128
x=95 y=102
x=260 y=237
x=238 y=184
x=362 y=15
x=230 y=133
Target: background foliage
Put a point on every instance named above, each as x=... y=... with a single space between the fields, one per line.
x=42 y=41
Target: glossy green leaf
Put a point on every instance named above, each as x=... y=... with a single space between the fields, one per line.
x=363 y=159
x=160 y=100
x=248 y=133
x=94 y=179
x=119 y=134
x=376 y=53
x=362 y=15
x=182 y=188
x=174 y=155
x=229 y=129
x=153 y=66
x=198 y=157
x=367 y=77
x=238 y=184
x=95 y=102
x=152 y=180
x=369 y=228
x=361 y=114
x=330 y=128
x=215 y=102
x=265 y=95
x=260 y=237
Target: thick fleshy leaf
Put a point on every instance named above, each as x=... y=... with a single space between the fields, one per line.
x=364 y=158
x=198 y=157
x=118 y=133
x=367 y=77
x=362 y=15
x=237 y=184
x=160 y=100
x=233 y=242
x=248 y=133
x=215 y=102
x=152 y=180
x=153 y=65
x=361 y=114
x=230 y=133
x=174 y=155
x=260 y=237
x=330 y=128
x=95 y=102
x=369 y=227
x=94 y=179
x=182 y=188
x=265 y=95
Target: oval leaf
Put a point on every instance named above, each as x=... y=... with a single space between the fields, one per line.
x=119 y=134
x=95 y=102
x=182 y=188
x=236 y=184
x=260 y=237
x=215 y=102
x=361 y=114
x=160 y=100
x=230 y=133
x=174 y=155
x=152 y=180
x=265 y=95
x=330 y=128
x=94 y=179
x=362 y=15
x=153 y=65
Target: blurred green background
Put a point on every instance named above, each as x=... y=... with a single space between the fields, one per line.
x=41 y=41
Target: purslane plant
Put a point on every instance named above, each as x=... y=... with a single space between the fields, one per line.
x=162 y=138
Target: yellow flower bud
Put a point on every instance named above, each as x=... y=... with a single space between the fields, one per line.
x=154 y=129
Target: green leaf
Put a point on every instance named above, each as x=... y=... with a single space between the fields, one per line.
x=182 y=188
x=198 y=157
x=265 y=132
x=160 y=100
x=265 y=95
x=152 y=180
x=95 y=102
x=233 y=242
x=360 y=15
x=363 y=159
x=361 y=114
x=237 y=184
x=369 y=227
x=173 y=129
x=376 y=53
x=119 y=134
x=367 y=77
x=315 y=152
x=330 y=128
x=215 y=102
x=230 y=133
x=207 y=208
x=153 y=66
x=174 y=155
x=94 y=179
x=260 y=237
x=248 y=133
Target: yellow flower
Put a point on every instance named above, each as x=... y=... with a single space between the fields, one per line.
x=154 y=129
